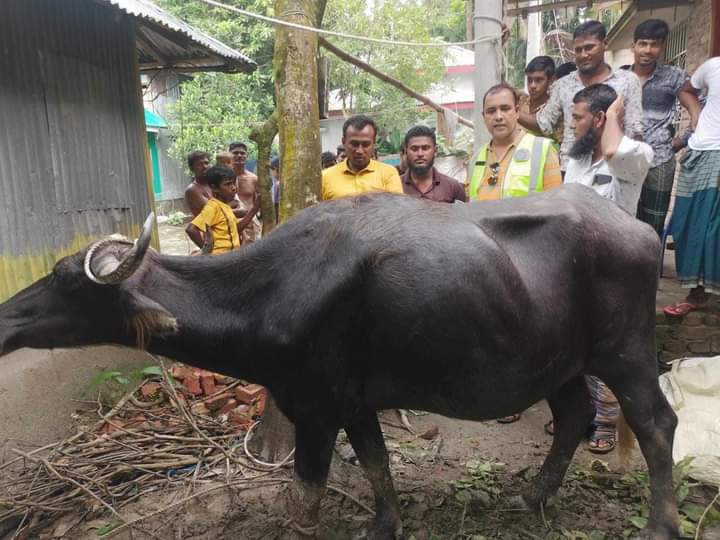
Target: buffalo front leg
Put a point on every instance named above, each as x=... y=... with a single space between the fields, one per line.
x=572 y=413
x=313 y=451
x=367 y=440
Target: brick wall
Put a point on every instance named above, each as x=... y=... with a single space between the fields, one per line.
x=699 y=34
x=697 y=334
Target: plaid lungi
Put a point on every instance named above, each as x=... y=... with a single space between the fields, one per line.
x=607 y=408
x=696 y=221
x=655 y=195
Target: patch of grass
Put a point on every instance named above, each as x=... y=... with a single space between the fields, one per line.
x=633 y=489
x=113 y=383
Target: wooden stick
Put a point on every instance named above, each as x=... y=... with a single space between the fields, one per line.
x=388 y=79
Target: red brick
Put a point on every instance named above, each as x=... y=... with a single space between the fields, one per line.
x=248 y=394
x=192 y=384
x=223 y=379
x=240 y=416
x=207 y=383
x=199 y=409
x=218 y=402
x=149 y=389
x=229 y=406
x=179 y=371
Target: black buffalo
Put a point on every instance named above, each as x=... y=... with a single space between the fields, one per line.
x=380 y=302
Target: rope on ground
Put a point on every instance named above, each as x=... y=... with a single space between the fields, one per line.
x=257 y=461
x=320 y=31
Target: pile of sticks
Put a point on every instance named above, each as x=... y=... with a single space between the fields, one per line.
x=131 y=451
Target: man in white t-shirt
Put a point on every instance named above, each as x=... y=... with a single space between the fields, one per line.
x=615 y=166
x=602 y=156
x=696 y=219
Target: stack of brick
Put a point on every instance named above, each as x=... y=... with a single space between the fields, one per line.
x=696 y=334
x=221 y=397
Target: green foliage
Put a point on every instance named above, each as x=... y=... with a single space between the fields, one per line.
x=634 y=490
x=447 y=23
x=417 y=68
x=480 y=485
x=115 y=382
x=176 y=218
x=515 y=51
x=216 y=108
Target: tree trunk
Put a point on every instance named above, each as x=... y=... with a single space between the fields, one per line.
x=296 y=90
x=298 y=122
x=263 y=136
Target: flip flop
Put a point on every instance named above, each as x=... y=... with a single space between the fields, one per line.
x=509 y=419
x=680 y=309
x=604 y=434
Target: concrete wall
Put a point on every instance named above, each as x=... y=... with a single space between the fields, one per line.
x=37 y=389
x=700 y=25
x=697 y=334
x=164 y=91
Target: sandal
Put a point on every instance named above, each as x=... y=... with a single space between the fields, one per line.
x=680 y=309
x=509 y=419
x=550 y=428
x=602 y=440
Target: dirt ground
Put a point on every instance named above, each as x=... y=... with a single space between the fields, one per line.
x=456 y=485
x=480 y=455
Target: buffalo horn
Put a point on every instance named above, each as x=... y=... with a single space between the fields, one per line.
x=113 y=271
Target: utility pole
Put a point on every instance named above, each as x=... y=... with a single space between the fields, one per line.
x=469 y=21
x=535 y=42
x=488 y=59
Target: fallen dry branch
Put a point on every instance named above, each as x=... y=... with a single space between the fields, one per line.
x=131 y=451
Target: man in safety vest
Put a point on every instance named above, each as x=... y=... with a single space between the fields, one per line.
x=514 y=163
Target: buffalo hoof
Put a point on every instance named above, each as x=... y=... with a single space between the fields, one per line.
x=654 y=534
x=521 y=504
x=381 y=531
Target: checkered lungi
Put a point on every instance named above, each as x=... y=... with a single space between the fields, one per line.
x=696 y=221
x=655 y=195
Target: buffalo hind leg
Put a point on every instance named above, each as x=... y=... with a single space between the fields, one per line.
x=313 y=452
x=653 y=421
x=367 y=440
x=572 y=413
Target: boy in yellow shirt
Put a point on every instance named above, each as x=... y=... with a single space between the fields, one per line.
x=216 y=229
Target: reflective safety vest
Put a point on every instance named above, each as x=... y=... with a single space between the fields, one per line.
x=525 y=173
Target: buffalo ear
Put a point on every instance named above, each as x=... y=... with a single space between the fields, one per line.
x=148 y=318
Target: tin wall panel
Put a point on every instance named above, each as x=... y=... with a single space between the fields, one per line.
x=72 y=134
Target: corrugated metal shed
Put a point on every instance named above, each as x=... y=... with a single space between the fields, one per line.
x=72 y=131
x=166 y=42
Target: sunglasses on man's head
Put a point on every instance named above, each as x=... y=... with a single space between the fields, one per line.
x=494 y=170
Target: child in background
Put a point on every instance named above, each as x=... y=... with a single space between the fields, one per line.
x=216 y=229
x=224 y=159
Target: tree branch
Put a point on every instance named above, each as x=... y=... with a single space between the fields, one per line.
x=263 y=136
x=388 y=79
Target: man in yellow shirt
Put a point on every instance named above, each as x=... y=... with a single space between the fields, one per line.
x=216 y=229
x=359 y=173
